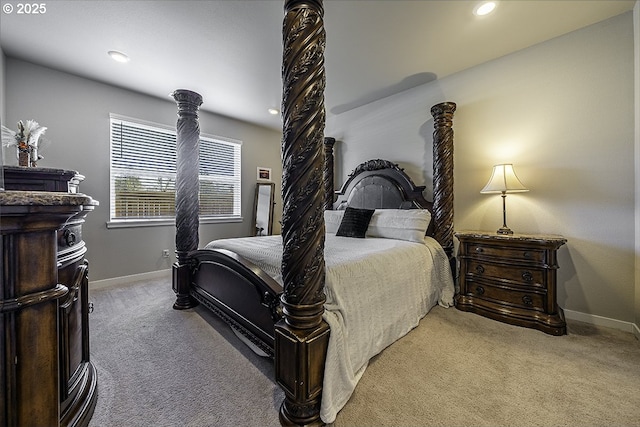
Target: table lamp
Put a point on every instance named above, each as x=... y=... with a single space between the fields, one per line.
x=504 y=180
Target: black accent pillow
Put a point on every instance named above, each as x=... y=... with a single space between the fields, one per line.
x=355 y=222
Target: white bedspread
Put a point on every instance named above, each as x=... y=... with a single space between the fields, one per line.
x=377 y=291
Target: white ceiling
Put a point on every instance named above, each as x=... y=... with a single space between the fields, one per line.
x=230 y=51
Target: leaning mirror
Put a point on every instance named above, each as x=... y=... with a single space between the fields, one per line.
x=263 y=212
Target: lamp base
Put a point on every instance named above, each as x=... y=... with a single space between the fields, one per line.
x=504 y=230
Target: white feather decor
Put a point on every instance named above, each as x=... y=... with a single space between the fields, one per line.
x=27 y=139
x=8 y=137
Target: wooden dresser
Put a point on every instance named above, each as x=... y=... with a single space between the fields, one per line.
x=42 y=207
x=511 y=278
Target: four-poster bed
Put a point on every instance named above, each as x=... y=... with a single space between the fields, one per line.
x=284 y=316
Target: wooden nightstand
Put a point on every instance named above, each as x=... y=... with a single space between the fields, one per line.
x=511 y=278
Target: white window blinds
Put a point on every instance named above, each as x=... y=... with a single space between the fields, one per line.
x=143 y=173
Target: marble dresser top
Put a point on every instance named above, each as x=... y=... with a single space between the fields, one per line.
x=45 y=198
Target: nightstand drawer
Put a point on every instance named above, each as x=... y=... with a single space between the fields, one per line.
x=517 y=254
x=523 y=275
x=507 y=296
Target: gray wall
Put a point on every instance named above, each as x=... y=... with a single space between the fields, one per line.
x=563 y=112
x=636 y=21
x=2 y=86
x=76 y=112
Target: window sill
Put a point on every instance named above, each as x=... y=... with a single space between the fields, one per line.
x=165 y=222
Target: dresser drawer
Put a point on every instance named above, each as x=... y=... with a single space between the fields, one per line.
x=517 y=254
x=526 y=276
x=71 y=247
x=69 y=237
x=507 y=296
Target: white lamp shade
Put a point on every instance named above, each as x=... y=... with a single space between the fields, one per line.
x=503 y=180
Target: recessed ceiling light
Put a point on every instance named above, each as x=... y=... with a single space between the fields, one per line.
x=273 y=111
x=118 y=56
x=485 y=8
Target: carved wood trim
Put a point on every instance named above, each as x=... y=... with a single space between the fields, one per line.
x=443 y=174
x=302 y=156
x=328 y=173
x=302 y=336
x=233 y=323
x=187 y=169
x=390 y=172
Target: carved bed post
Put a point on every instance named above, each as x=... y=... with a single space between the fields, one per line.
x=187 y=167
x=328 y=173
x=443 y=174
x=301 y=337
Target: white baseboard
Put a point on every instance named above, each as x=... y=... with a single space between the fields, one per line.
x=602 y=321
x=124 y=280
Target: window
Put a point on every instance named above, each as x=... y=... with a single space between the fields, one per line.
x=143 y=174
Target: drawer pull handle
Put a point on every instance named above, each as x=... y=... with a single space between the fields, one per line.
x=527 y=255
x=527 y=276
x=479 y=269
x=479 y=249
x=479 y=290
x=527 y=300
x=70 y=237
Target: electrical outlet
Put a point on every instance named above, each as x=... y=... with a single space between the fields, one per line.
x=165 y=253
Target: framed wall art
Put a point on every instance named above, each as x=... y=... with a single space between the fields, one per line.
x=264 y=174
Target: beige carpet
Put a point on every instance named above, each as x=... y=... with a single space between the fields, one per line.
x=162 y=367
x=461 y=369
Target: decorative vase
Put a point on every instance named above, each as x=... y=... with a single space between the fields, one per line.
x=24 y=154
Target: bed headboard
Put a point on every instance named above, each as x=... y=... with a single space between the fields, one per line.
x=380 y=184
x=383 y=185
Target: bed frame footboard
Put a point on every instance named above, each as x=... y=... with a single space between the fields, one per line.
x=239 y=292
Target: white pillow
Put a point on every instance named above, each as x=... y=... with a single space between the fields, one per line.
x=332 y=220
x=400 y=224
